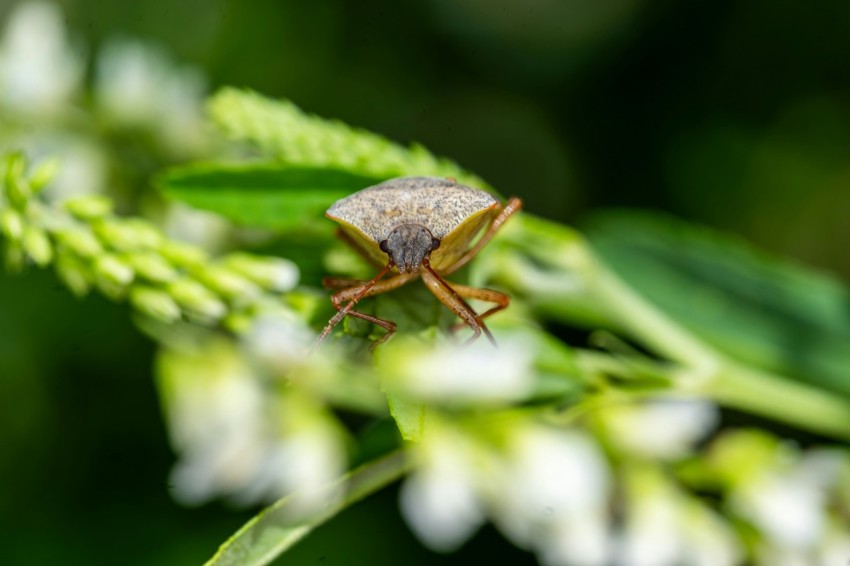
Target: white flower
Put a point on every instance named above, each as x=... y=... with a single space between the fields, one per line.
x=788 y=510
x=546 y=489
x=458 y=374
x=279 y=342
x=136 y=85
x=213 y=406
x=584 y=540
x=665 y=526
x=548 y=476
x=650 y=537
x=39 y=70
x=439 y=500
x=662 y=429
x=198 y=227
x=235 y=438
x=708 y=539
x=307 y=463
x=82 y=169
x=835 y=548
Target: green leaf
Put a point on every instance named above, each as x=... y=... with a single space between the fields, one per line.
x=276 y=528
x=409 y=417
x=776 y=315
x=262 y=195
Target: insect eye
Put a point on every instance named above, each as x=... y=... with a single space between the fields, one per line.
x=383 y=246
x=435 y=243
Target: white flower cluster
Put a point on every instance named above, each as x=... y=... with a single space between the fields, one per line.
x=545 y=488
x=240 y=436
x=43 y=99
x=548 y=488
x=797 y=501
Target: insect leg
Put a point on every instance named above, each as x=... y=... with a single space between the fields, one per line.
x=353 y=294
x=501 y=299
x=342 y=283
x=449 y=297
x=512 y=206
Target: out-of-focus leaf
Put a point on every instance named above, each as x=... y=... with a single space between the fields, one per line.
x=277 y=528
x=262 y=195
x=776 y=315
x=409 y=417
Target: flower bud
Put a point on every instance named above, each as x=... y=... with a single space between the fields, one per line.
x=127 y=235
x=14 y=164
x=18 y=191
x=197 y=300
x=152 y=267
x=80 y=241
x=37 y=245
x=16 y=187
x=155 y=303
x=11 y=224
x=182 y=255
x=89 y=207
x=43 y=174
x=238 y=322
x=227 y=283
x=74 y=273
x=112 y=275
x=274 y=274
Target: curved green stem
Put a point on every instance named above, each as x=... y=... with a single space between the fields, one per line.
x=277 y=528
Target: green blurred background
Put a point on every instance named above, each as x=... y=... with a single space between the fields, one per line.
x=734 y=114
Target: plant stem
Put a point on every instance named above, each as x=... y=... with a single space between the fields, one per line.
x=643 y=320
x=781 y=399
x=277 y=528
x=735 y=386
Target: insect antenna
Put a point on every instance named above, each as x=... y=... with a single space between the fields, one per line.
x=337 y=318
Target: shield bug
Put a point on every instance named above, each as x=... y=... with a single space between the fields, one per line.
x=414 y=227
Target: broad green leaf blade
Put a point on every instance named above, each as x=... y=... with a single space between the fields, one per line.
x=274 y=530
x=773 y=314
x=262 y=195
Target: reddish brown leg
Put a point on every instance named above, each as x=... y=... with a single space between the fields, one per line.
x=353 y=294
x=385 y=324
x=513 y=205
x=449 y=297
x=501 y=299
x=342 y=283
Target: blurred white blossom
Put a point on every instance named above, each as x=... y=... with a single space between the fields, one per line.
x=663 y=429
x=548 y=476
x=236 y=439
x=666 y=527
x=791 y=498
x=787 y=509
x=835 y=547
x=40 y=69
x=137 y=85
x=205 y=229
x=83 y=164
x=279 y=341
x=459 y=374
x=441 y=499
x=541 y=486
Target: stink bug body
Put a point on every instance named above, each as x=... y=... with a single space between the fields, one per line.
x=414 y=227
